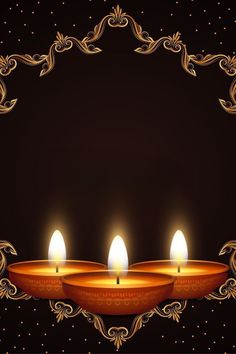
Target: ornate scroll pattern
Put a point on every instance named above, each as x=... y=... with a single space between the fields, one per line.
x=117 y=335
x=7 y=289
x=5 y=247
x=63 y=310
x=228 y=289
x=117 y=18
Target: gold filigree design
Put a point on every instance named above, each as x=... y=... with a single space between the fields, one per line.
x=173 y=310
x=5 y=247
x=63 y=310
x=9 y=291
x=228 y=289
x=121 y=19
x=117 y=335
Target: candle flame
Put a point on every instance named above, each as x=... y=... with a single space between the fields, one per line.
x=118 y=258
x=57 y=248
x=178 y=249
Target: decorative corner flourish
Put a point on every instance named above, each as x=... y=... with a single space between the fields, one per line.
x=117 y=19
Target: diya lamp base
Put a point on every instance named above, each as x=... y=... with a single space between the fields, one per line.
x=137 y=292
x=42 y=280
x=195 y=280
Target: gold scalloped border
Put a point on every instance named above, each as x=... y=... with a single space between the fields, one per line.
x=118 y=18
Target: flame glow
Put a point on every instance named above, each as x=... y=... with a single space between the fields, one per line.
x=179 y=249
x=118 y=258
x=57 y=248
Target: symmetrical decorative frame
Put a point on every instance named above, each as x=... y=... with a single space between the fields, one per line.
x=118 y=18
x=117 y=335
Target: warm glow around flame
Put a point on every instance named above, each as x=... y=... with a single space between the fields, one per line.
x=118 y=258
x=57 y=248
x=179 y=249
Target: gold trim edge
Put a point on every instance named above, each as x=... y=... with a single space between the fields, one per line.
x=118 y=18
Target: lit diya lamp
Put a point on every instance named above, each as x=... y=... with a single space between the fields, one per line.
x=194 y=279
x=43 y=279
x=118 y=291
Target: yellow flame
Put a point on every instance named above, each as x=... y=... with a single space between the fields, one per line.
x=57 y=248
x=179 y=249
x=118 y=258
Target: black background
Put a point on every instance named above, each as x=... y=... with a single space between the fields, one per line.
x=115 y=143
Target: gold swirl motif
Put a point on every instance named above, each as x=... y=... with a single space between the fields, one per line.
x=63 y=310
x=117 y=335
x=5 y=247
x=7 y=289
x=228 y=289
x=173 y=310
x=114 y=19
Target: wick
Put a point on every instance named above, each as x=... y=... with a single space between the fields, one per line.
x=57 y=268
x=178 y=268
x=117 y=279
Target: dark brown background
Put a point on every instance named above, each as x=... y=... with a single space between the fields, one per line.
x=118 y=142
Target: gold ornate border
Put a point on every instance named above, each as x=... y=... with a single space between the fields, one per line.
x=118 y=335
x=118 y=18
